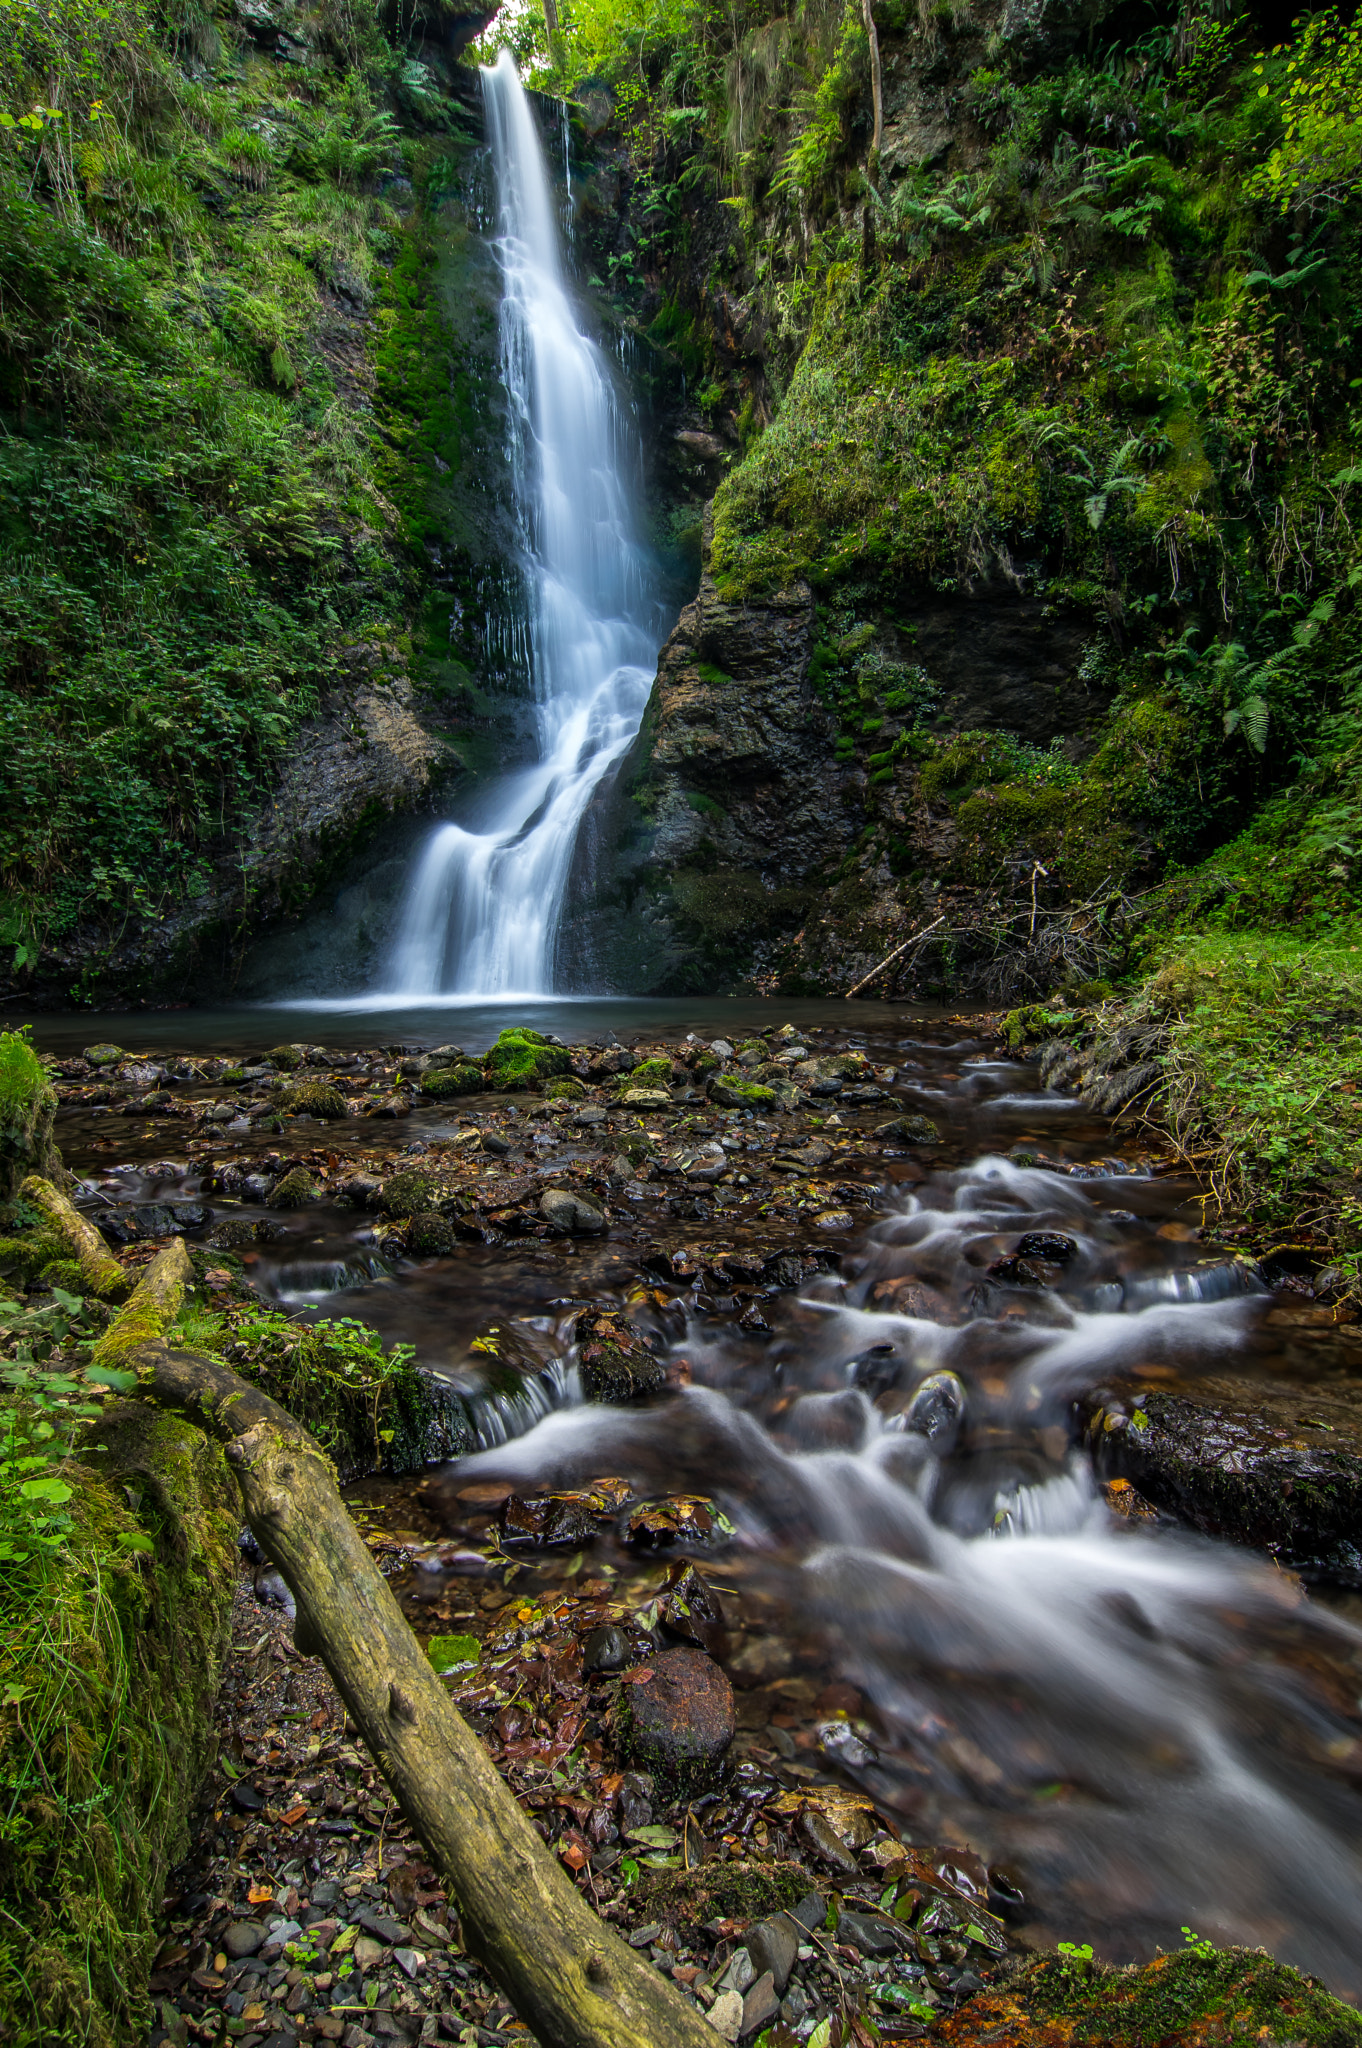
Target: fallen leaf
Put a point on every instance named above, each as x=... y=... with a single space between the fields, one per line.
x=636 y=1677
x=293 y=1816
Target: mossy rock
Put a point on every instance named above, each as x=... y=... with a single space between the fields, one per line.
x=706 y=1062
x=28 y=1105
x=294 y=1191
x=22 y=1259
x=720 y=1891
x=912 y=1130
x=521 y=1059
x=431 y=1237
x=312 y=1098
x=565 y=1088
x=441 y=1084
x=103 y=1055
x=409 y=1193
x=651 y=1073
x=286 y=1057
x=1193 y=1999
x=730 y=1093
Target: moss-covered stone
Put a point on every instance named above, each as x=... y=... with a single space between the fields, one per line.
x=431 y=1237
x=564 y=1088
x=63 y=1273
x=650 y=1073
x=521 y=1059
x=409 y=1193
x=286 y=1057
x=731 y=1093
x=442 y=1084
x=1199 y=1998
x=294 y=1191
x=615 y=1363
x=28 y=1104
x=736 y=1891
x=115 y=1655
x=312 y=1098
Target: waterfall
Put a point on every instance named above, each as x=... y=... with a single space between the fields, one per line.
x=482 y=909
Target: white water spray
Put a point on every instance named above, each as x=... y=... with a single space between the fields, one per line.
x=482 y=911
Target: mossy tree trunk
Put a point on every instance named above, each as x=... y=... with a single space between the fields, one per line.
x=569 y=1976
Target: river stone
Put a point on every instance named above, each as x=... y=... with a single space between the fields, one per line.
x=914 y=1130
x=773 y=1946
x=103 y=1055
x=730 y=1093
x=368 y=1952
x=571 y=1212
x=681 y=1719
x=243 y=1938
x=615 y=1363
x=725 y=2015
x=605 y=1649
x=645 y=1098
x=760 y=2004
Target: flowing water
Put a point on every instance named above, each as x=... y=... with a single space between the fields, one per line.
x=1137 y=1729
x=482 y=910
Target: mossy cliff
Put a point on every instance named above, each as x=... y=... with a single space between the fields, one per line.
x=251 y=504
x=1049 y=403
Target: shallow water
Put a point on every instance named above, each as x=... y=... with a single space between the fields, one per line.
x=1137 y=1728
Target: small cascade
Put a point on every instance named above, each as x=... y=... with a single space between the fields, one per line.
x=482 y=909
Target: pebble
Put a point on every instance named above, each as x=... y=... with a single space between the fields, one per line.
x=243 y=1938
x=725 y=2015
x=760 y=2004
x=773 y=1946
x=572 y=1213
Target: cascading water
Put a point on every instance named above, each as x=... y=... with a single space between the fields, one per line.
x=481 y=914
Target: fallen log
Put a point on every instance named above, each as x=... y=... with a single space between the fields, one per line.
x=99 y=1269
x=569 y=1976
x=151 y=1307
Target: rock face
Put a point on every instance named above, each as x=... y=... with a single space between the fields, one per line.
x=725 y=809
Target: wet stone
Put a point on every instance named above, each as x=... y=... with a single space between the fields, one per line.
x=243 y=1938
x=575 y=1214
x=773 y=1945
x=760 y=2005
x=681 y=1719
x=615 y=1364
x=605 y=1649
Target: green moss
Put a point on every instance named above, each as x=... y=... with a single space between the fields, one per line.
x=294 y=1191
x=521 y=1058
x=22 y=1259
x=565 y=1088
x=312 y=1098
x=28 y=1104
x=64 y=1273
x=409 y=1193
x=110 y=1658
x=442 y=1084
x=286 y=1057
x=738 y=1891
x=1199 y=1998
x=367 y=1408
x=651 y=1073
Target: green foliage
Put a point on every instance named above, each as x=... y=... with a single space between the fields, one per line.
x=44 y=1403
x=365 y=1407
x=521 y=1058
x=1318 y=91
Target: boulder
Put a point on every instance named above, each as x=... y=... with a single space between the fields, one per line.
x=680 y=1720
x=913 y=1130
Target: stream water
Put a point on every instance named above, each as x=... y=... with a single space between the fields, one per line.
x=481 y=913
x=1134 y=1728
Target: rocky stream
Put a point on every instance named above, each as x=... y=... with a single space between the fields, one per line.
x=878 y=1532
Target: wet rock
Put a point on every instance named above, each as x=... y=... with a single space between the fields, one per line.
x=432 y=1237
x=729 y=1093
x=606 y=1649
x=104 y=1054
x=773 y=1945
x=231 y=1234
x=681 y=1719
x=243 y=1938
x=833 y=1219
x=245 y=1798
x=294 y=1191
x=912 y=1130
x=646 y=1098
x=1049 y=1245
x=521 y=1058
x=823 y=1838
x=690 y=1607
x=312 y=1098
x=937 y=1410
x=760 y=2005
x=574 y=1214
x=495 y=1144
x=1240 y=1474
x=152 y=1220
x=614 y=1362
x=740 y=1974
x=874 y=1934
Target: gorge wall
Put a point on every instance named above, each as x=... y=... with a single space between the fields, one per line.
x=1021 y=445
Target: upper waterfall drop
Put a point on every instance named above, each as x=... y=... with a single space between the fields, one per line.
x=481 y=913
